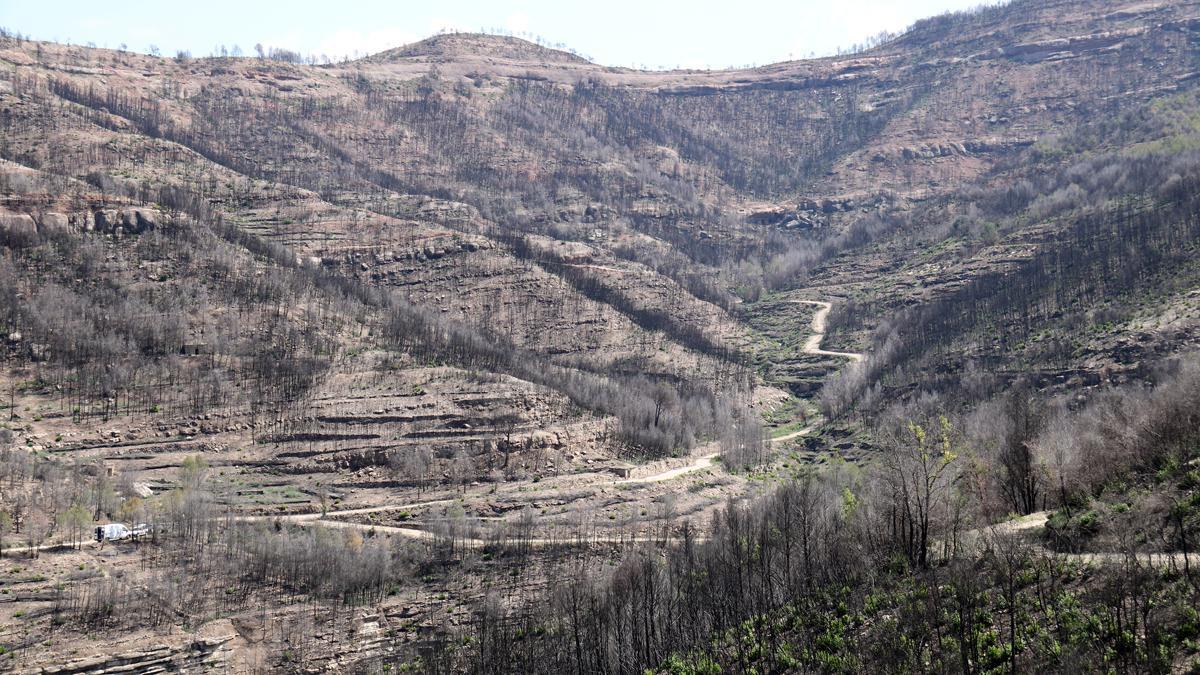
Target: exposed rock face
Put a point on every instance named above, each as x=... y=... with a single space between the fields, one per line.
x=203 y=654
x=55 y=224
x=543 y=439
x=825 y=205
x=106 y=221
x=126 y=221
x=17 y=225
x=952 y=149
x=1072 y=46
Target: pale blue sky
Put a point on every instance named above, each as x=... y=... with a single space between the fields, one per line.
x=655 y=33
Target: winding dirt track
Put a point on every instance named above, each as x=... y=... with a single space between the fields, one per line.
x=471 y=542
x=1022 y=528
x=811 y=346
x=701 y=463
x=819 y=322
x=794 y=435
x=1027 y=530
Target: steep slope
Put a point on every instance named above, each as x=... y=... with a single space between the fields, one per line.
x=457 y=288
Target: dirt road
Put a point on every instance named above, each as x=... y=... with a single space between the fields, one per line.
x=819 y=322
x=811 y=346
x=703 y=462
x=794 y=435
x=699 y=464
x=1028 y=530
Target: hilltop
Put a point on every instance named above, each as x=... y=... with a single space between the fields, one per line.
x=475 y=46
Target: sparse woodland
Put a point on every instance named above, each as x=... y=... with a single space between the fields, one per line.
x=473 y=356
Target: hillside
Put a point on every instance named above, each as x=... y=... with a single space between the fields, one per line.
x=488 y=328
x=462 y=47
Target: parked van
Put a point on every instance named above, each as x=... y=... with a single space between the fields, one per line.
x=119 y=532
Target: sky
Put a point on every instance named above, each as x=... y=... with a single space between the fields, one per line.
x=637 y=33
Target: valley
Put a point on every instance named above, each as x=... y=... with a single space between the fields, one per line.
x=473 y=355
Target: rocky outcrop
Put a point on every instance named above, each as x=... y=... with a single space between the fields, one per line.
x=780 y=84
x=1071 y=46
x=984 y=147
x=202 y=654
x=106 y=221
x=17 y=225
x=951 y=149
x=126 y=221
x=55 y=224
x=933 y=151
x=825 y=205
x=788 y=220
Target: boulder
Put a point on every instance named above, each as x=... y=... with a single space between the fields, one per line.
x=17 y=224
x=132 y=221
x=107 y=220
x=142 y=220
x=542 y=439
x=56 y=224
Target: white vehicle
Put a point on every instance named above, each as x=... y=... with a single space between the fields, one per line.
x=120 y=532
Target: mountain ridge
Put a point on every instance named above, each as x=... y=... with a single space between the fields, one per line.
x=477 y=46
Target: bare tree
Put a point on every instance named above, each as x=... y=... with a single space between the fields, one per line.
x=6 y=523
x=462 y=468
x=919 y=470
x=37 y=528
x=1021 y=480
x=1057 y=448
x=74 y=521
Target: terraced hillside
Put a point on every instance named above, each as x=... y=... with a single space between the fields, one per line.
x=471 y=317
